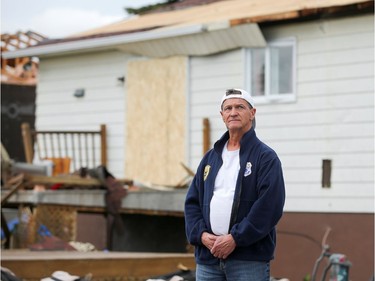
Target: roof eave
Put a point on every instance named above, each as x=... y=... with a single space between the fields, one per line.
x=108 y=42
x=147 y=42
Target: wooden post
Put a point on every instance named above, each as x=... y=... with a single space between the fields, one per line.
x=206 y=135
x=103 y=143
x=27 y=142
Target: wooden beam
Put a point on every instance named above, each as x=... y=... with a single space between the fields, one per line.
x=30 y=265
x=265 y=18
x=206 y=135
x=188 y=170
x=152 y=212
x=17 y=182
x=67 y=180
x=27 y=142
x=72 y=180
x=103 y=141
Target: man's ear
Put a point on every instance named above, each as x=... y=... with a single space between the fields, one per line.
x=254 y=110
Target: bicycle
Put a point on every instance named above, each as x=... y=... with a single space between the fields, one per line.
x=338 y=264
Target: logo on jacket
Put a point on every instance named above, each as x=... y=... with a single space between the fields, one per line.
x=206 y=171
x=247 y=169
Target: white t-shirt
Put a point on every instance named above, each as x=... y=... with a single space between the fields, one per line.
x=225 y=185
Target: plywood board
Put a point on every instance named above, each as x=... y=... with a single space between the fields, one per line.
x=155 y=117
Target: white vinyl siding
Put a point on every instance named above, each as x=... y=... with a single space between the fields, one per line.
x=103 y=103
x=331 y=118
x=209 y=77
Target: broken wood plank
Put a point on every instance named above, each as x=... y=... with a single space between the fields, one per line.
x=71 y=180
x=30 y=265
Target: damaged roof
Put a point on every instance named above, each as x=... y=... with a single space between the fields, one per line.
x=198 y=30
x=234 y=11
x=20 y=71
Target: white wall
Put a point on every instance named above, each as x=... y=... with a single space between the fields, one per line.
x=209 y=77
x=103 y=103
x=332 y=118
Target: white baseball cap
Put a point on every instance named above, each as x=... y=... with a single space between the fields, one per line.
x=237 y=94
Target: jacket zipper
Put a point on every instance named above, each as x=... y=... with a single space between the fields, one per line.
x=236 y=205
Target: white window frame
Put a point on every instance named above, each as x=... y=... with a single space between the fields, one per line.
x=268 y=97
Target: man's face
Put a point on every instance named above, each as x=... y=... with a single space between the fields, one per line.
x=237 y=114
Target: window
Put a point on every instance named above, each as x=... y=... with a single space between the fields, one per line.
x=271 y=71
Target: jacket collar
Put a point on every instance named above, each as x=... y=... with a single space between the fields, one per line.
x=248 y=139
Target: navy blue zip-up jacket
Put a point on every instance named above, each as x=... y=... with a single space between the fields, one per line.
x=257 y=206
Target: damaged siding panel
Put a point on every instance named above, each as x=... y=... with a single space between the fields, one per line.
x=103 y=102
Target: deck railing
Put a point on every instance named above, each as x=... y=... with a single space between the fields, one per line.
x=68 y=150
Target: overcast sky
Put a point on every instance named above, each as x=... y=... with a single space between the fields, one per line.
x=60 y=18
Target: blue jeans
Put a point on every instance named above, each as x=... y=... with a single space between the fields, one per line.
x=234 y=270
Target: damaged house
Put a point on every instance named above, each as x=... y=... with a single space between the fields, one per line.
x=155 y=81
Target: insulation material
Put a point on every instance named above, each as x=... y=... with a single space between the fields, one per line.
x=155 y=118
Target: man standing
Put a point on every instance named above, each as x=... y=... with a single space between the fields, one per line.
x=235 y=200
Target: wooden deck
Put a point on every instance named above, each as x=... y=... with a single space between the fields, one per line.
x=143 y=201
x=119 y=266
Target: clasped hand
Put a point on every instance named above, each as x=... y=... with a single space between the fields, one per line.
x=220 y=246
